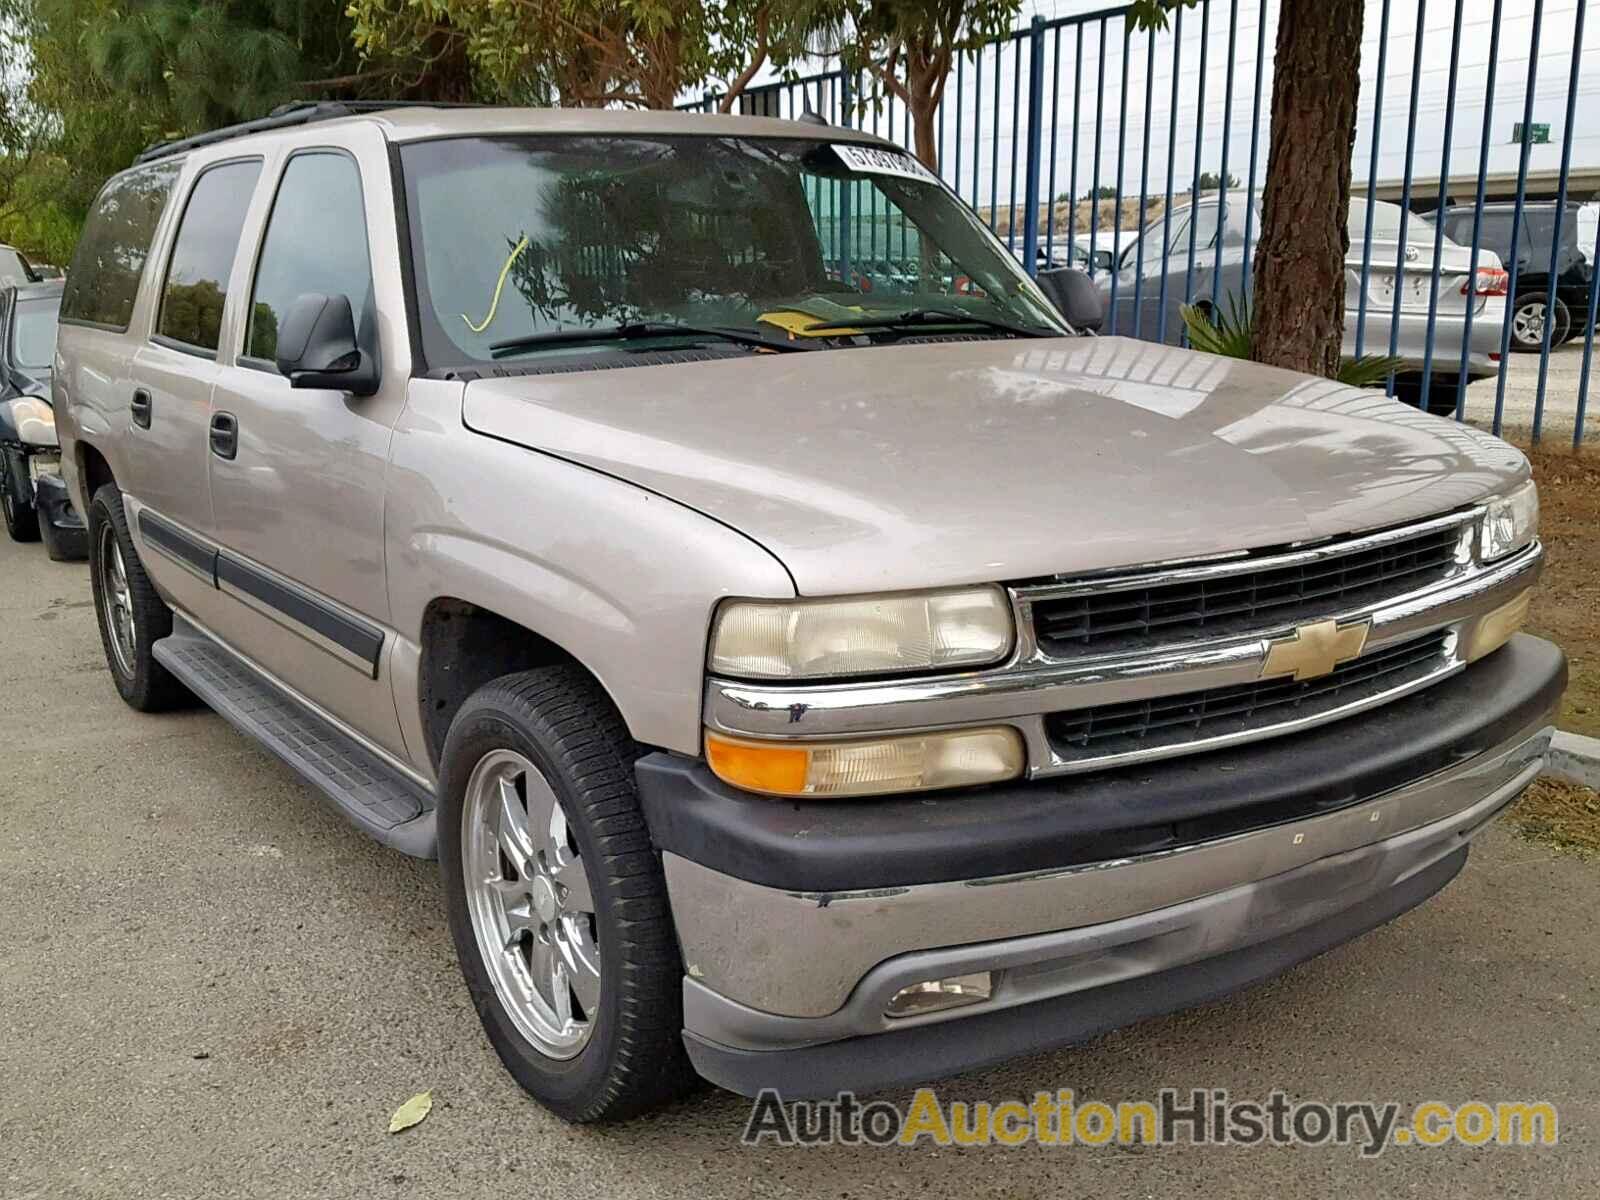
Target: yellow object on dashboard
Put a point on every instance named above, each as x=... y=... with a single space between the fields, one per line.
x=794 y=323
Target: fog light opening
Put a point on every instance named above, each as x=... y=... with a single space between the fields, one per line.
x=936 y=995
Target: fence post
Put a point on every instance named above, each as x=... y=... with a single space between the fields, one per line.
x=846 y=186
x=1030 y=220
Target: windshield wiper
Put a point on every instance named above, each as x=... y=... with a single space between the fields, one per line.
x=920 y=317
x=634 y=330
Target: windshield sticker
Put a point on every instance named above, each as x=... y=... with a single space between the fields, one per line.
x=876 y=160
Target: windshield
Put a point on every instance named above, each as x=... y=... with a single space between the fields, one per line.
x=517 y=237
x=33 y=333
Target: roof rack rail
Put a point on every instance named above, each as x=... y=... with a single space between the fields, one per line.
x=297 y=112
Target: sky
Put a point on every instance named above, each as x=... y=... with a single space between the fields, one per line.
x=1066 y=89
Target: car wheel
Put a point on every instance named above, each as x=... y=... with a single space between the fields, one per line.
x=131 y=615
x=22 y=519
x=1528 y=322
x=556 y=900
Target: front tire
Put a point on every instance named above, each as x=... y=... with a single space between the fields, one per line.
x=131 y=615
x=22 y=518
x=556 y=900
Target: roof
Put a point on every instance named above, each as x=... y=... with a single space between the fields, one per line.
x=1528 y=205
x=45 y=289
x=417 y=124
x=403 y=122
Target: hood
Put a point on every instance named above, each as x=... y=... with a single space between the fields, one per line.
x=927 y=464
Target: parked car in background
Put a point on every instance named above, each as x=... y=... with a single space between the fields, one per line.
x=1535 y=252
x=1138 y=307
x=812 y=688
x=1099 y=250
x=15 y=269
x=1053 y=257
x=33 y=496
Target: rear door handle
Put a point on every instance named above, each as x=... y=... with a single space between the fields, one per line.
x=224 y=435
x=140 y=408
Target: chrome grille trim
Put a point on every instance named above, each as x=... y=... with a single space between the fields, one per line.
x=1025 y=690
x=1102 y=735
x=1036 y=649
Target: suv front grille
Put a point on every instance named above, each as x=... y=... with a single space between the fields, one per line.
x=1086 y=734
x=1244 y=601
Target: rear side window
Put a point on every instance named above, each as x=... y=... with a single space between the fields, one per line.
x=103 y=280
x=202 y=255
x=316 y=242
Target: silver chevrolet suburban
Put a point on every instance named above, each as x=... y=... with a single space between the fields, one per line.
x=808 y=677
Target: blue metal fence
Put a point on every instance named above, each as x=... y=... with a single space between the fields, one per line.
x=1049 y=105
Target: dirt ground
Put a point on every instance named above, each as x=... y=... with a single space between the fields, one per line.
x=1566 y=607
x=1562 y=815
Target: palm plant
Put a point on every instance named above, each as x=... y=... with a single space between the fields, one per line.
x=1232 y=335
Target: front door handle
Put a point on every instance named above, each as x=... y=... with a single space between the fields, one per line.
x=224 y=435
x=140 y=407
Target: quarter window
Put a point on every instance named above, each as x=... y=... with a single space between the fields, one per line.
x=316 y=242
x=103 y=280
x=202 y=256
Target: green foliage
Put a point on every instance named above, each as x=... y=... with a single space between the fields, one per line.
x=1232 y=335
x=1152 y=14
x=907 y=47
x=90 y=83
x=1210 y=181
x=594 y=52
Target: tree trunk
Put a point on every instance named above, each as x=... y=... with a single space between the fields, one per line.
x=1299 y=269
x=925 y=135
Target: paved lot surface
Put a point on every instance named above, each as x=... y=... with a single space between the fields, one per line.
x=209 y=986
x=1560 y=398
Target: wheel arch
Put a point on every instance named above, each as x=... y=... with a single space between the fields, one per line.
x=94 y=472
x=464 y=645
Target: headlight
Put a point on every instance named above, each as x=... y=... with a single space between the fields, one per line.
x=910 y=763
x=1510 y=523
x=34 y=419
x=872 y=635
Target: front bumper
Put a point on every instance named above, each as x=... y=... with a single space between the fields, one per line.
x=1094 y=901
x=65 y=537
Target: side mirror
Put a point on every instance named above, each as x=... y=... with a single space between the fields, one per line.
x=317 y=346
x=1103 y=260
x=1074 y=294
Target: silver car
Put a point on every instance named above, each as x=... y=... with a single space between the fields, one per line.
x=810 y=688
x=1138 y=296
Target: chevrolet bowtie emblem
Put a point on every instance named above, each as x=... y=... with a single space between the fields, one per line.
x=1314 y=650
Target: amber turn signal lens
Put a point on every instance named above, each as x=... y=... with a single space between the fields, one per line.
x=916 y=762
x=758 y=768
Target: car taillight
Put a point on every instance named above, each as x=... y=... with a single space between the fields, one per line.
x=1492 y=281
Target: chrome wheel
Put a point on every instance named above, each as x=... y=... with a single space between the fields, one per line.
x=1528 y=324
x=118 y=609
x=530 y=903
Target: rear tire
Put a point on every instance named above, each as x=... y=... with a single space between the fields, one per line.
x=1528 y=319
x=22 y=519
x=131 y=615
x=559 y=907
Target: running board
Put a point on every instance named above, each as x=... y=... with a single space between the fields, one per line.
x=372 y=795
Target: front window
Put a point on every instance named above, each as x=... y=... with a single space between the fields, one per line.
x=33 y=333
x=518 y=237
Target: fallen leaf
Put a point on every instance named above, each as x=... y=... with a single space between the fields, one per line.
x=411 y=1112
